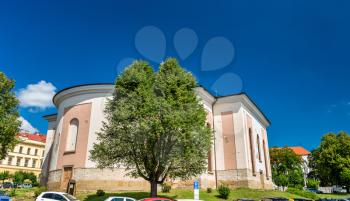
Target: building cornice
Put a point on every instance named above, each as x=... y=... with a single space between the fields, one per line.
x=248 y=103
x=82 y=90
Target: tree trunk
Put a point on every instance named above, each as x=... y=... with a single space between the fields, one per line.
x=153 y=189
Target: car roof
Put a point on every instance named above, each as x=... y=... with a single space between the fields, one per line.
x=156 y=198
x=61 y=193
x=121 y=197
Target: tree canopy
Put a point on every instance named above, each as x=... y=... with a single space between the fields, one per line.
x=330 y=162
x=156 y=125
x=9 y=123
x=286 y=167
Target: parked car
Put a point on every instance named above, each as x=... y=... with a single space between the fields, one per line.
x=275 y=199
x=59 y=196
x=313 y=190
x=187 y=200
x=24 y=186
x=339 y=190
x=120 y=199
x=156 y=199
x=8 y=185
x=4 y=196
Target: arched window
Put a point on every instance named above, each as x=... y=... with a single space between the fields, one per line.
x=72 y=135
x=258 y=145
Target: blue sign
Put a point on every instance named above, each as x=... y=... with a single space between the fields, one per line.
x=196 y=185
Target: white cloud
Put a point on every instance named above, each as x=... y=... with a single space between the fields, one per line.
x=37 y=96
x=26 y=126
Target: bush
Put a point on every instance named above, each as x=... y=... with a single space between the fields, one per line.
x=302 y=193
x=209 y=190
x=12 y=192
x=312 y=183
x=100 y=192
x=39 y=190
x=224 y=192
x=166 y=188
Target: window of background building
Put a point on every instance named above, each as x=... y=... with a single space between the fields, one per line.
x=20 y=149
x=28 y=151
x=9 y=162
x=18 y=162
x=34 y=163
x=36 y=152
x=72 y=135
x=42 y=153
x=26 y=161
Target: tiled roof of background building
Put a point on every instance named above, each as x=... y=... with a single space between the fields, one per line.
x=35 y=137
x=301 y=151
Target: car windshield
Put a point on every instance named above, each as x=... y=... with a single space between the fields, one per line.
x=70 y=197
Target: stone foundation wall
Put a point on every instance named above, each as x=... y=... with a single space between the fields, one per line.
x=244 y=178
x=91 y=179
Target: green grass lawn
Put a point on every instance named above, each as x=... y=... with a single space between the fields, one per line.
x=23 y=194
x=177 y=194
x=28 y=195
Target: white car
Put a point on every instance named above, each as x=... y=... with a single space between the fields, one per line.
x=120 y=199
x=55 y=196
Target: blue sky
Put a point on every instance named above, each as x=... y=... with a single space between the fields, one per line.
x=289 y=56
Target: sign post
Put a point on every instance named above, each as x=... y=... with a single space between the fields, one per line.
x=196 y=190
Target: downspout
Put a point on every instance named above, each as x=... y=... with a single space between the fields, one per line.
x=216 y=172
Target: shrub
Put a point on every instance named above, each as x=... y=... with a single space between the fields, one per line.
x=312 y=183
x=39 y=190
x=224 y=192
x=12 y=192
x=100 y=192
x=302 y=193
x=166 y=188
x=209 y=190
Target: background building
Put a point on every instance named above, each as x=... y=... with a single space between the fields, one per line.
x=239 y=156
x=304 y=154
x=27 y=155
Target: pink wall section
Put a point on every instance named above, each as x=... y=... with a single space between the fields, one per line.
x=77 y=158
x=229 y=141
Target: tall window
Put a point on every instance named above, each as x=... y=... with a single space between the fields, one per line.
x=252 y=151
x=72 y=135
x=258 y=145
x=18 y=162
x=265 y=159
x=34 y=163
x=20 y=149
x=9 y=162
x=28 y=151
x=26 y=161
x=36 y=152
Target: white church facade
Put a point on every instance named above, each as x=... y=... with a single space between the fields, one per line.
x=239 y=156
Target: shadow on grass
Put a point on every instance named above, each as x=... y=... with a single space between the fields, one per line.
x=135 y=195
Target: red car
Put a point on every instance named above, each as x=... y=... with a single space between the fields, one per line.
x=156 y=199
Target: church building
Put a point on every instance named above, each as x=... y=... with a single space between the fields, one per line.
x=239 y=156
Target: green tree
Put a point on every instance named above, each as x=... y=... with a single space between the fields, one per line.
x=156 y=126
x=330 y=161
x=9 y=123
x=4 y=176
x=32 y=178
x=286 y=167
x=19 y=177
x=312 y=183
